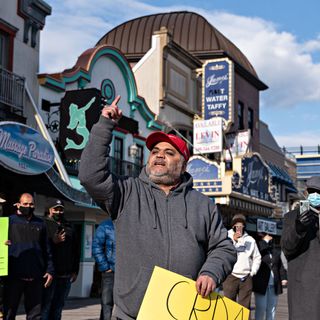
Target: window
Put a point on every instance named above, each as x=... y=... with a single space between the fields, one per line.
x=118 y=155
x=240 y=116
x=4 y=50
x=7 y=35
x=118 y=148
x=139 y=158
x=250 y=120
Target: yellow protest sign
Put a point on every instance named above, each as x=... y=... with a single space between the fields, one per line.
x=172 y=296
x=4 y=228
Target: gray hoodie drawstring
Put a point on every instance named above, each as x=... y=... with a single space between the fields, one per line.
x=154 y=209
x=185 y=208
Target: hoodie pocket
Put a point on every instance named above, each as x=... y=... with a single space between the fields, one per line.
x=131 y=296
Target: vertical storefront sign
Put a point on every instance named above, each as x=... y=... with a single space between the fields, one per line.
x=79 y=110
x=218 y=79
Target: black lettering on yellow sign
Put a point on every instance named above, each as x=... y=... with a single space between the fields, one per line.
x=212 y=304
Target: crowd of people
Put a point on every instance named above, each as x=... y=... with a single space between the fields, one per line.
x=44 y=258
x=158 y=220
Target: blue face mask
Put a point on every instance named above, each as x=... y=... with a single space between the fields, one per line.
x=314 y=199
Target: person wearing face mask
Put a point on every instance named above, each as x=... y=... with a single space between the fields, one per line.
x=239 y=282
x=268 y=282
x=66 y=259
x=30 y=262
x=301 y=245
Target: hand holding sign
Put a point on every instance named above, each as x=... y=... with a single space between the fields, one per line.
x=171 y=296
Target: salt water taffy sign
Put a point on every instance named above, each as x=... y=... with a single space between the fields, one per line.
x=172 y=296
x=23 y=149
x=4 y=227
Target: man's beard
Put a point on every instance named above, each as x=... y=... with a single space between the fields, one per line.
x=169 y=178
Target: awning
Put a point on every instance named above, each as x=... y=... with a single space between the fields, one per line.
x=49 y=184
x=282 y=176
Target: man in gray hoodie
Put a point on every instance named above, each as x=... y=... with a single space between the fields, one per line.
x=160 y=220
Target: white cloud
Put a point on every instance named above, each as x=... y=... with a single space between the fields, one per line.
x=281 y=62
x=304 y=138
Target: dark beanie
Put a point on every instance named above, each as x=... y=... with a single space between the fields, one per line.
x=238 y=218
x=313 y=183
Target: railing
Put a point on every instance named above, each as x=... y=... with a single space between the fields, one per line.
x=116 y=166
x=12 y=92
x=302 y=150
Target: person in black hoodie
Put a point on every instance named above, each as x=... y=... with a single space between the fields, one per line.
x=66 y=258
x=267 y=283
x=30 y=261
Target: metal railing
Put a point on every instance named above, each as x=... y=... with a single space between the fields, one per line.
x=12 y=90
x=116 y=166
x=302 y=150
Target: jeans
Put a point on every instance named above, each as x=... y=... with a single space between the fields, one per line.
x=266 y=304
x=107 y=280
x=32 y=291
x=54 y=298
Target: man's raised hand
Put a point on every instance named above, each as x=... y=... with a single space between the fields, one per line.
x=112 y=112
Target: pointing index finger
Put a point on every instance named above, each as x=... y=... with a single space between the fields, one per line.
x=116 y=100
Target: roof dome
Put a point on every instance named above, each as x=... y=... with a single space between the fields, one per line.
x=190 y=30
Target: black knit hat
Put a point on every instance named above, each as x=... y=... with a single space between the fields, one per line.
x=313 y=183
x=238 y=218
x=56 y=203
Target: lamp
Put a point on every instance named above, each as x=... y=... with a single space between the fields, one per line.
x=133 y=151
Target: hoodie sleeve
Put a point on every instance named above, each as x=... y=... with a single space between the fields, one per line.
x=256 y=259
x=221 y=255
x=291 y=240
x=94 y=174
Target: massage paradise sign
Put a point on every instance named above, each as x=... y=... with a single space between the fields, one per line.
x=172 y=296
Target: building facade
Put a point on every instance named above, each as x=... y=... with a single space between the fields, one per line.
x=171 y=53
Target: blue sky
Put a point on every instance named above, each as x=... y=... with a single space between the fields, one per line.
x=281 y=39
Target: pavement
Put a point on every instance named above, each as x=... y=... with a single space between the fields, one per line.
x=89 y=309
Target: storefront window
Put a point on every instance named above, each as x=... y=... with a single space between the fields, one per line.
x=240 y=116
x=250 y=120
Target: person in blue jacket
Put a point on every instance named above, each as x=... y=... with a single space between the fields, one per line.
x=103 y=250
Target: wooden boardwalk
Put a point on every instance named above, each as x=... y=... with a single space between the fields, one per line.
x=89 y=309
x=282 y=309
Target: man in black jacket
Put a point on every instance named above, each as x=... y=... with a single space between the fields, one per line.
x=30 y=261
x=66 y=257
x=301 y=246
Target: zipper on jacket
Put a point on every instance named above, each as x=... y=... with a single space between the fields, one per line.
x=169 y=232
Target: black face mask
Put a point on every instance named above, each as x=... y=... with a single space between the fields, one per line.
x=26 y=211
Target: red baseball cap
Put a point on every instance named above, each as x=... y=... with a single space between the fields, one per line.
x=175 y=141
